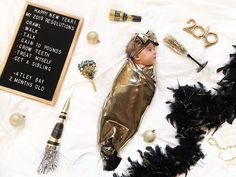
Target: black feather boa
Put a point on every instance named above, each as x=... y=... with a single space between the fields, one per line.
x=193 y=112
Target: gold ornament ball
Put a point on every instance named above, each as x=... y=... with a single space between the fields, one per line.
x=149 y=136
x=17 y=120
x=92 y=37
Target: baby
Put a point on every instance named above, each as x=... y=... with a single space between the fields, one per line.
x=131 y=93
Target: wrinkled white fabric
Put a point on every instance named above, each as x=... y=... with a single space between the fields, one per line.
x=21 y=150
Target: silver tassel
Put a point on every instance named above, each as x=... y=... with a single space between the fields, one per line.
x=49 y=161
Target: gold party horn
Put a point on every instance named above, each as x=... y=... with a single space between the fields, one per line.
x=116 y=15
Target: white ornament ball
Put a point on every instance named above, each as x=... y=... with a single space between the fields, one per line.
x=92 y=37
x=17 y=120
x=149 y=136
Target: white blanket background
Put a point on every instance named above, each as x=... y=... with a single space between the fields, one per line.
x=21 y=150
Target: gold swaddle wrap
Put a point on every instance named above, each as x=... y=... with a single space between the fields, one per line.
x=131 y=93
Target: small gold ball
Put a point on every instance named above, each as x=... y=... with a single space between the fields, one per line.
x=17 y=120
x=92 y=37
x=149 y=136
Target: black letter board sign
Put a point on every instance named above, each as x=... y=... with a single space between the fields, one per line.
x=40 y=52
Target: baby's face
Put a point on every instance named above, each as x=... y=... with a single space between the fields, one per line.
x=147 y=56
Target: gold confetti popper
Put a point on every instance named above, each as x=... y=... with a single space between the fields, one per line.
x=50 y=158
x=88 y=69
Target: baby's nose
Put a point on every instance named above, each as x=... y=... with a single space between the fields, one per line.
x=154 y=52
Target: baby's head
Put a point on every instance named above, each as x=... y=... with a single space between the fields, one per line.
x=142 y=48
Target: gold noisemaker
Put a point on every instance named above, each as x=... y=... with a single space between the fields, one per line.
x=50 y=158
x=116 y=15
